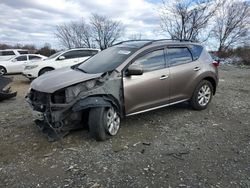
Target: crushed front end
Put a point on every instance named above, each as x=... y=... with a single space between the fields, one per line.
x=67 y=109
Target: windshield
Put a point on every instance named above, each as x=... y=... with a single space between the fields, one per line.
x=106 y=60
x=54 y=55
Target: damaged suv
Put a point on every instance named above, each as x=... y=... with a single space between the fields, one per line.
x=128 y=78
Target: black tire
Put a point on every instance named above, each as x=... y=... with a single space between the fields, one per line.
x=194 y=102
x=98 y=125
x=3 y=70
x=44 y=70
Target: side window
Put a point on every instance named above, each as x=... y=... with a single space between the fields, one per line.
x=21 y=58
x=196 y=51
x=178 y=56
x=34 y=57
x=152 y=61
x=6 y=53
x=23 y=52
x=72 y=54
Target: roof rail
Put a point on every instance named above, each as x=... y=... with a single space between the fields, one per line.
x=133 y=41
x=181 y=40
x=149 y=41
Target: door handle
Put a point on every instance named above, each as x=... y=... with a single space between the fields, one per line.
x=163 y=77
x=197 y=68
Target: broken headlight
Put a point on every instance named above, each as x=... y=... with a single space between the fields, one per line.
x=90 y=84
x=73 y=91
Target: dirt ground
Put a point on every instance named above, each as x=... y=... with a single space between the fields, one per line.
x=170 y=147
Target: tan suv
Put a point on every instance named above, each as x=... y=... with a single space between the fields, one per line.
x=128 y=78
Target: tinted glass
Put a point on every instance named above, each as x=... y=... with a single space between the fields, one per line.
x=6 y=53
x=87 y=53
x=107 y=60
x=78 y=54
x=152 y=61
x=23 y=52
x=34 y=57
x=196 y=51
x=21 y=58
x=54 y=55
x=177 y=56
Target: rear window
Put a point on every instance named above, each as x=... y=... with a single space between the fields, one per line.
x=33 y=57
x=196 y=51
x=178 y=56
x=23 y=52
x=6 y=53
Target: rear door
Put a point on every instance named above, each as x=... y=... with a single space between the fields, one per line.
x=151 y=89
x=184 y=69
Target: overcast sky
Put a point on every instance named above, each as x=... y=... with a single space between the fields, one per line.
x=34 y=21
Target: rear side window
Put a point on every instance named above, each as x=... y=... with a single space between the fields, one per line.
x=196 y=51
x=178 y=56
x=152 y=61
x=86 y=53
x=6 y=53
x=23 y=52
x=21 y=58
x=33 y=57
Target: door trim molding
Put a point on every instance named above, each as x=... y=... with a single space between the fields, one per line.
x=154 y=108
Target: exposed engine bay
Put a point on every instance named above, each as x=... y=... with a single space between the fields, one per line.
x=66 y=109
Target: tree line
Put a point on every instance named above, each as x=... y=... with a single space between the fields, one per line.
x=224 y=22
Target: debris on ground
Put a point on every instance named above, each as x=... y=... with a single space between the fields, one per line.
x=5 y=89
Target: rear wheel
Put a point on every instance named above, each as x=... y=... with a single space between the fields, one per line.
x=104 y=122
x=202 y=95
x=44 y=70
x=2 y=70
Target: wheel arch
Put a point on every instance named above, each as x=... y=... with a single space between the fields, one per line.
x=103 y=100
x=39 y=73
x=212 y=81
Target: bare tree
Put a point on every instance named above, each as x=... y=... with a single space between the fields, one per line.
x=105 y=31
x=74 y=34
x=186 y=19
x=232 y=24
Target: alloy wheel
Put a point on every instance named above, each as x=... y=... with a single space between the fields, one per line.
x=113 y=121
x=204 y=95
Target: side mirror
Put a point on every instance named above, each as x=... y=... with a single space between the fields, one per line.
x=134 y=70
x=14 y=60
x=61 y=57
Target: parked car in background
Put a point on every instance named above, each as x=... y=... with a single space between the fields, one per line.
x=58 y=60
x=126 y=79
x=9 y=53
x=16 y=64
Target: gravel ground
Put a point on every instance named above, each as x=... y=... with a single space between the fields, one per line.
x=169 y=147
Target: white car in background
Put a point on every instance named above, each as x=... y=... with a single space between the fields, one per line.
x=9 y=53
x=58 y=60
x=16 y=64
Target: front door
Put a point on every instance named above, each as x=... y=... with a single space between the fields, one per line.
x=151 y=89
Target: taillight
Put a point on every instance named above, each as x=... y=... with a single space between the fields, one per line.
x=216 y=63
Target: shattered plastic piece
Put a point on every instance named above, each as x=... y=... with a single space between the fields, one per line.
x=5 y=92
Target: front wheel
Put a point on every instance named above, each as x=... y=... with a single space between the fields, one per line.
x=104 y=122
x=44 y=70
x=202 y=95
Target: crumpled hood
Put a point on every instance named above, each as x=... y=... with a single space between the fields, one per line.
x=61 y=78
